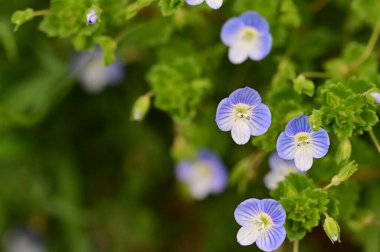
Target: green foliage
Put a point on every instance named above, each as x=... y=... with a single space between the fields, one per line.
x=367 y=10
x=20 y=17
x=168 y=7
x=303 y=202
x=304 y=86
x=178 y=87
x=344 y=109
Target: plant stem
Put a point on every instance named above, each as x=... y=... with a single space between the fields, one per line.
x=316 y=74
x=42 y=13
x=374 y=139
x=367 y=51
x=295 y=245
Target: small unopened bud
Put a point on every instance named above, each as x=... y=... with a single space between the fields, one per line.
x=140 y=108
x=344 y=173
x=332 y=229
x=344 y=151
x=91 y=17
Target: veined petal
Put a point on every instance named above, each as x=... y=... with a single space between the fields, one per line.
x=320 y=143
x=246 y=211
x=194 y=2
x=245 y=95
x=286 y=147
x=303 y=158
x=225 y=115
x=247 y=235
x=240 y=132
x=215 y=4
x=261 y=48
x=253 y=19
x=296 y=125
x=260 y=120
x=238 y=52
x=271 y=239
x=230 y=31
x=275 y=210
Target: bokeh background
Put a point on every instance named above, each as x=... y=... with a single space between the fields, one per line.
x=77 y=174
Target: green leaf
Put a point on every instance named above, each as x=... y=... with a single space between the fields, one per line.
x=108 y=46
x=168 y=7
x=304 y=86
x=20 y=17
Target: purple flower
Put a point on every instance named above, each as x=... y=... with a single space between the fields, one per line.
x=22 y=239
x=262 y=222
x=91 y=17
x=204 y=176
x=279 y=169
x=301 y=143
x=215 y=4
x=244 y=114
x=376 y=96
x=247 y=36
x=94 y=75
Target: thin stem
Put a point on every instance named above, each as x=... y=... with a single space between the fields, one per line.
x=295 y=246
x=42 y=13
x=367 y=51
x=374 y=139
x=328 y=186
x=316 y=75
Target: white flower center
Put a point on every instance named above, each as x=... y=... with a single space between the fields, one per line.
x=303 y=139
x=242 y=111
x=248 y=34
x=263 y=221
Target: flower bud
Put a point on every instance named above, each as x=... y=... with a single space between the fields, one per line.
x=344 y=151
x=332 y=229
x=344 y=173
x=140 y=108
x=91 y=17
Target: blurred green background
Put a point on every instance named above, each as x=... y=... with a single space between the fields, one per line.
x=76 y=172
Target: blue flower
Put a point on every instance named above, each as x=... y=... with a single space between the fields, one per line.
x=301 y=143
x=206 y=175
x=247 y=36
x=93 y=74
x=279 y=169
x=91 y=17
x=215 y=4
x=376 y=96
x=244 y=114
x=262 y=222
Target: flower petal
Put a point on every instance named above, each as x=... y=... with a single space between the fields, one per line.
x=271 y=239
x=230 y=31
x=246 y=211
x=272 y=178
x=225 y=115
x=215 y=4
x=275 y=210
x=254 y=19
x=260 y=120
x=320 y=143
x=286 y=147
x=194 y=2
x=303 y=158
x=240 y=132
x=245 y=95
x=278 y=164
x=376 y=96
x=261 y=47
x=247 y=235
x=182 y=170
x=238 y=52
x=296 y=125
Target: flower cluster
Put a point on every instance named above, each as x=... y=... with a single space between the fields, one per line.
x=204 y=176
